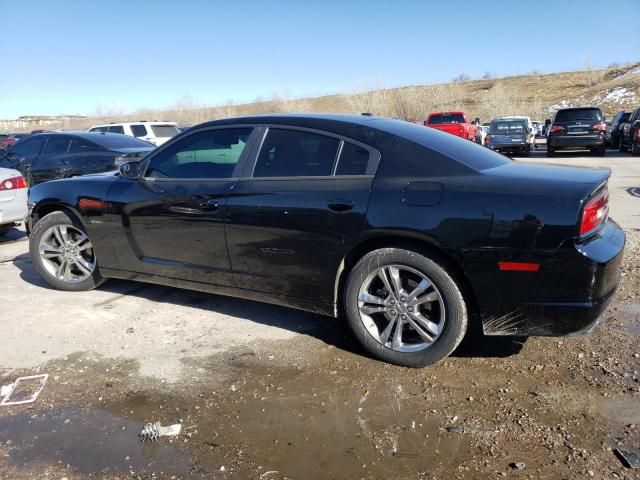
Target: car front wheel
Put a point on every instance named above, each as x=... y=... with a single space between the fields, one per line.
x=404 y=308
x=63 y=254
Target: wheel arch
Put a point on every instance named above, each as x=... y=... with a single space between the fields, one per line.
x=423 y=245
x=45 y=208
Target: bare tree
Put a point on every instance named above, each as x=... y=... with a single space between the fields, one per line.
x=462 y=77
x=369 y=99
x=588 y=69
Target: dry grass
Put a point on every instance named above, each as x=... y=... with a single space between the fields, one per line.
x=533 y=94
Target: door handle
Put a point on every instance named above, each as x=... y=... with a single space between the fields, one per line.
x=210 y=205
x=340 y=205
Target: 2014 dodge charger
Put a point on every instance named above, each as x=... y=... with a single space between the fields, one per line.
x=409 y=233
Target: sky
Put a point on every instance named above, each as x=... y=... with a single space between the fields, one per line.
x=81 y=57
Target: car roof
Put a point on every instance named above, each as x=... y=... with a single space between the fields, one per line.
x=143 y=122
x=80 y=133
x=448 y=112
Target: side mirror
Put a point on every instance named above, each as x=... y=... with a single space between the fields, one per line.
x=130 y=170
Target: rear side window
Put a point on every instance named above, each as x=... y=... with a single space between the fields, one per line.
x=207 y=154
x=116 y=129
x=56 y=146
x=163 y=131
x=579 y=114
x=79 y=145
x=139 y=130
x=99 y=129
x=353 y=160
x=445 y=118
x=293 y=153
x=29 y=147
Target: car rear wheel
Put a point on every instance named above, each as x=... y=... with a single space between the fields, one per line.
x=622 y=148
x=598 y=152
x=4 y=229
x=635 y=149
x=404 y=308
x=550 y=152
x=63 y=254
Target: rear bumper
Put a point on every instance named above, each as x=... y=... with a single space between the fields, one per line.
x=566 y=296
x=14 y=210
x=575 y=141
x=508 y=146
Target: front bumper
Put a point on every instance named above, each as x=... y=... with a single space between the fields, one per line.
x=575 y=141
x=567 y=296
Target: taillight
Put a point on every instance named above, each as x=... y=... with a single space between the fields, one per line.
x=556 y=129
x=601 y=127
x=637 y=134
x=14 y=183
x=487 y=139
x=595 y=212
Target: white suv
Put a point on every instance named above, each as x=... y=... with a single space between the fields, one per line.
x=153 y=132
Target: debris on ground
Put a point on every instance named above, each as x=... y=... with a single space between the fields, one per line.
x=630 y=457
x=518 y=465
x=24 y=390
x=152 y=431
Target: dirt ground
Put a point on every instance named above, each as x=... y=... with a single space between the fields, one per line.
x=268 y=393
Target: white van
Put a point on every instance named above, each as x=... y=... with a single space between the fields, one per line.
x=153 y=132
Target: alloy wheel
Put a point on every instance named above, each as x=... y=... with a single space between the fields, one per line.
x=67 y=254
x=401 y=308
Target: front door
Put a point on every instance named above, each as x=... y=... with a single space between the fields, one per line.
x=173 y=218
x=294 y=217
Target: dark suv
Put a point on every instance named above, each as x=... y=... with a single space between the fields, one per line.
x=620 y=119
x=577 y=129
x=629 y=133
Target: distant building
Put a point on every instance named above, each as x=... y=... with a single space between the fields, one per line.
x=30 y=122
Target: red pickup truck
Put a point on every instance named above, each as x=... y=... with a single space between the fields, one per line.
x=456 y=123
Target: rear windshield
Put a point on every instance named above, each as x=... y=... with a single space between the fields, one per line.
x=507 y=128
x=624 y=117
x=578 y=114
x=164 y=130
x=445 y=118
x=115 y=140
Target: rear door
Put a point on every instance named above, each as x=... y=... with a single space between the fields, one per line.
x=173 y=218
x=298 y=210
x=48 y=165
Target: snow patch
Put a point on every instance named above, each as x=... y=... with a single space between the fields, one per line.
x=619 y=95
x=633 y=71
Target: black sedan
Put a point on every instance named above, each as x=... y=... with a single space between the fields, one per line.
x=409 y=233
x=50 y=156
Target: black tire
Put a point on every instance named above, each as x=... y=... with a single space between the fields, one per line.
x=551 y=152
x=526 y=151
x=598 y=152
x=456 y=321
x=4 y=229
x=39 y=229
x=635 y=149
x=622 y=148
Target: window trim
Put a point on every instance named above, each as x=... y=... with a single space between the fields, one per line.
x=372 y=164
x=237 y=171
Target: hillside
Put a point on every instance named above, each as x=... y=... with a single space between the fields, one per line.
x=535 y=95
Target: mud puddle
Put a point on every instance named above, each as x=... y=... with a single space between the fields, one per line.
x=86 y=441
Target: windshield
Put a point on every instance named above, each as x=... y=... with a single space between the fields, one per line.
x=164 y=130
x=508 y=128
x=438 y=119
x=115 y=140
x=579 y=114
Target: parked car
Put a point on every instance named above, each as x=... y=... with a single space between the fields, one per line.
x=531 y=139
x=11 y=139
x=156 y=133
x=456 y=123
x=13 y=199
x=50 y=156
x=537 y=128
x=628 y=132
x=579 y=128
x=409 y=233
x=618 y=121
x=509 y=136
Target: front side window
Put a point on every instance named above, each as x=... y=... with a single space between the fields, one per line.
x=293 y=153
x=139 y=130
x=56 y=145
x=207 y=154
x=99 y=129
x=116 y=129
x=29 y=147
